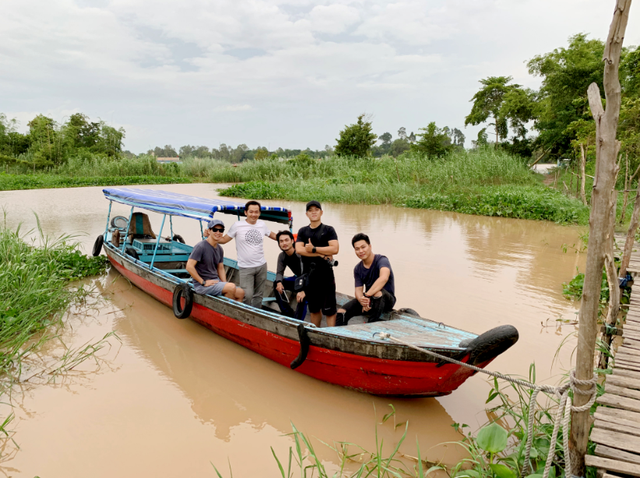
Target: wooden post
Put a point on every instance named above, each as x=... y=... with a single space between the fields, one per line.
x=583 y=174
x=599 y=224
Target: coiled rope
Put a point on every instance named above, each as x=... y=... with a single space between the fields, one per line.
x=564 y=409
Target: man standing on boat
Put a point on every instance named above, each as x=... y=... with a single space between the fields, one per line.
x=288 y=258
x=375 y=285
x=317 y=243
x=206 y=265
x=252 y=265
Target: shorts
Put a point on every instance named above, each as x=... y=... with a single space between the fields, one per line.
x=321 y=294
x=214 y=290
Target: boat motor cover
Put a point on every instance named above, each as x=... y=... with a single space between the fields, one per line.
x=194 y=207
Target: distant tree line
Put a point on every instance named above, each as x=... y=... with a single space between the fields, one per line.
x=238 y=154
x=48 y=143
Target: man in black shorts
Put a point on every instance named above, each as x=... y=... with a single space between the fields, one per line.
x=288 y=258
x=317 y=243
x=375 y=285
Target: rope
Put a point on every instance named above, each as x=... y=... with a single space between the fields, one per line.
x=564 y=409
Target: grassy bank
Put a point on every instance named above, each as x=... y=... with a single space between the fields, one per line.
x=485 y=182
x=34 y=293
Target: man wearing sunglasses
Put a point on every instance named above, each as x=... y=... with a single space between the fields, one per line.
x=206 y=265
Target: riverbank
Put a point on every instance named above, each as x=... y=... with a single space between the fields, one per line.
x=485 y=182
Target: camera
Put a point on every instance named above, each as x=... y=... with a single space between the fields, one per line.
x=332 y=262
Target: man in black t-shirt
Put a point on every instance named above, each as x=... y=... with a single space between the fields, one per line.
x=375 y=284
x=317 y=243
x=288 y=258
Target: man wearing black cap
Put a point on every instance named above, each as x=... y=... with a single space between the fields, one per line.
x=206 y=265
x=317 y=243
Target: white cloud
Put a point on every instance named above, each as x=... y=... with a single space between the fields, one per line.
x=289 y=73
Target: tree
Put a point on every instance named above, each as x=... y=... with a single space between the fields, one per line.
x=402 y=133
x=186 y=150
x=356 y=139
x=433 y=141
x=46 y=142
x=457 y=138
x=261 y=153
x=566 y=74
x=487 y=103
x=385 y=138
x=399 y=146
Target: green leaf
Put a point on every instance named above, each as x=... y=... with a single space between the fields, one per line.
x=492 y=438
x=503 y=471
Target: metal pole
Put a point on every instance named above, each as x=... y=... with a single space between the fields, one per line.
x=155 y=251
x=106 y=229
x=124 y=242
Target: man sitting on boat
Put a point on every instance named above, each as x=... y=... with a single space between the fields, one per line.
x=252 y=265
x=317 y=243
x=206 y=265
x=288 y=258
x=375 y=287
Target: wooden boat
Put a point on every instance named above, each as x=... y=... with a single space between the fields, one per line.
x=354 y=356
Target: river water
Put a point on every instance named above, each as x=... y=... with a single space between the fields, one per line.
x=169 y=398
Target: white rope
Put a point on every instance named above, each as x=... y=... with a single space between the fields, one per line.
x=564 y=409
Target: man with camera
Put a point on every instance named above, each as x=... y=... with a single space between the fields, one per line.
x=317 y=243
x=288 y=258
x=375 y=285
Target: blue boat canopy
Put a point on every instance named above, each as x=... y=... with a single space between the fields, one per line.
x=188 y=206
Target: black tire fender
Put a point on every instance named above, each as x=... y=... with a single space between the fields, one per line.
x=182 y=291
x=132 y=252
x=305 y=342
x=490 y=344
x=178 y=238
x=97 y=246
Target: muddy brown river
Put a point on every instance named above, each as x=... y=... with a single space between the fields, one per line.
x=168 y=398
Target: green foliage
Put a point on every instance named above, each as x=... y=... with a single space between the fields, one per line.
x=507 y=201
x=255 y=190
x=433 y=141
x=11 y=182
x=566 y=74
x=356 y=139
x=34 y=291
x=504 y=104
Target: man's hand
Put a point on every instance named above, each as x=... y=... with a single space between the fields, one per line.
x=308 y=247
x=365 y=302
x=209 y=282
x=280 y=288
x=300 y=297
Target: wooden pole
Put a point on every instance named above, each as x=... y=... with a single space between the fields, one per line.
x=599 y=224
x=583 y=174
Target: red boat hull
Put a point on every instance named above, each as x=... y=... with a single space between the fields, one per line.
x=367 y=374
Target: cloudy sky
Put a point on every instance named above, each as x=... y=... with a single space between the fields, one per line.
x=275 y=73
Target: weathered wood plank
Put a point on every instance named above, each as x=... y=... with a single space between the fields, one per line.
x=626 y=373
x=615 y=454
x=621 y=364
x=619 y=402
x=622 y=382
x=627 y=350
x=616 y=427
x=615 y=415
x=622 y=391
x=612 y=465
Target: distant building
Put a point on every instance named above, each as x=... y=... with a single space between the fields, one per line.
x=168 y=160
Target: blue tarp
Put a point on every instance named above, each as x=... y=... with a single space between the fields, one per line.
x=188 y=206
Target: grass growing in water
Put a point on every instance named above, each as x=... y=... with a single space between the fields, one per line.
x=484 y=182
x=34 y=292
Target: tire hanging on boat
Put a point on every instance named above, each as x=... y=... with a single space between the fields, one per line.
x=305 y=342
x=178 y=238
x=97 y=246
x=182 y=291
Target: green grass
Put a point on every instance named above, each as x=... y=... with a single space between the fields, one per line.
x=35 y=291
x=11 y=182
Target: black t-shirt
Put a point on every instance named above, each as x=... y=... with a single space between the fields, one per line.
x=367 y=277
x=320 y=237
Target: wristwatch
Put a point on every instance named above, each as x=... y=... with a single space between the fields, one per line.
x=313 y=250
x=203 y=282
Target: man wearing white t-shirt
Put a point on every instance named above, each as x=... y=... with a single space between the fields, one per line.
x=249 y=236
